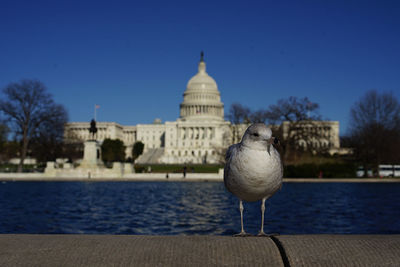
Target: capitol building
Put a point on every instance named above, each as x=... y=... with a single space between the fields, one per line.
x=199 y=135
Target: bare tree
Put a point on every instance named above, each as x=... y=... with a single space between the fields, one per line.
x=238 y=114
x=72 y=146
x=3 y=139
x=47 y=140
x=295 y=121
x=242 y=114
x=28 y=107
x=258 y=116
x=375 y=129
x=293 y=109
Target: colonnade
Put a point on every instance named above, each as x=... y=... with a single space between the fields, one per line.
x=202 y=109
x=82 y=134
x=195 y=133
x=193 y=96
x=129 y=137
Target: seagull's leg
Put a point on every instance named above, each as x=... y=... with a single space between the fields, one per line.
x=242 y=233
x=261 y=233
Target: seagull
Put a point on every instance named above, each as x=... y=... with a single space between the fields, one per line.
x=253 y=169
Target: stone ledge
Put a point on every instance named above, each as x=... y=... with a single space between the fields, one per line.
x=123 y=250
x=342 y=250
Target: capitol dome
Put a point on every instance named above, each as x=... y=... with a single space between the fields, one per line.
x=202 y=100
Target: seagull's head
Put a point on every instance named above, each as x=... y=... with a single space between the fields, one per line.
x=258 y=136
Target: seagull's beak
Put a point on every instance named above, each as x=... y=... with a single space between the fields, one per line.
x=272 y=140
x=276 y=141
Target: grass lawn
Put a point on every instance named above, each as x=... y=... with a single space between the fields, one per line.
x=177 y=168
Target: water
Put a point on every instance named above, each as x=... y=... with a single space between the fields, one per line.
x=158 y=208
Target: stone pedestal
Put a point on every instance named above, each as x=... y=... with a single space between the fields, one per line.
x=67 y=166
x=117 y=166
x=50 y=168
x=91 y=155
x=128 y=168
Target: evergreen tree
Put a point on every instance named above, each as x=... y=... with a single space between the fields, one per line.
x=113 y=150
x=137 y=150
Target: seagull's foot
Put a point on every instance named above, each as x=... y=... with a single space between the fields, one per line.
x=262 y=234
x=242 y=234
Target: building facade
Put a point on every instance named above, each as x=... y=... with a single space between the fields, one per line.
x=199 y=135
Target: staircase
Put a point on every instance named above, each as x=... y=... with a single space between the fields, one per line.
x=152 y=156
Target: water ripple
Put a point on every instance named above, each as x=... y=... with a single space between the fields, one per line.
x=167 y=208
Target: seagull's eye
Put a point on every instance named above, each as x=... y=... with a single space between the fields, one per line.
x=256 y=134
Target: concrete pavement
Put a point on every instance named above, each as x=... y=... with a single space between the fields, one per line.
x=123 y=250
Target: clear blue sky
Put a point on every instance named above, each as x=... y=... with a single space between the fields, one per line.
x=134 y=58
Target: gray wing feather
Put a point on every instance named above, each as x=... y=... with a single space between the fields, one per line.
x=231 y=150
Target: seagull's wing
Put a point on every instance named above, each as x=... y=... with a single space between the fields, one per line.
x=278 y=158
x=231 y=150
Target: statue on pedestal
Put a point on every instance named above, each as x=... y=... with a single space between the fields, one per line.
x=93 y=129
